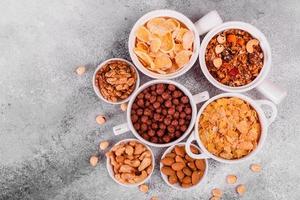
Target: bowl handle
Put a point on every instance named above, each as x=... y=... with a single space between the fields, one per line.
x=200 y=97
x=188 y=148
x=273 y=107
x=120 y=129
x=271 y=91
x=208 y=22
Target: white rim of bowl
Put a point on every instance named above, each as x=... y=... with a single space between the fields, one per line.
x=164 y=81
x=262 y=120
x=96 y=89
x=164 y=13
x=176 y=186
x=254 y=32
x=112 y=173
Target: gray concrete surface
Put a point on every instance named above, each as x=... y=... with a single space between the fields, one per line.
x=47 y=126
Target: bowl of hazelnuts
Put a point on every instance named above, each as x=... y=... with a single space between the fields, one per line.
x=161 y=113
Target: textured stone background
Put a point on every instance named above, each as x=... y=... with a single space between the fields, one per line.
x=47 y=126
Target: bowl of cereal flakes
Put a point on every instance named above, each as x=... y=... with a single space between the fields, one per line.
x=231 y=128
x=164 y=44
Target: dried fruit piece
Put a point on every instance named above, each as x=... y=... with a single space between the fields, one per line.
x=155 y=45
x=100 y=119
x=94 y=160
x=241 y=189
x=231 y=179
x=217 y=192
x=217 y=62
x=183 y=57
x=231 y=38
x=123 y=106
x=144 y=188
x=80 y=70
x=255 y=167
x=143 y=34
x=103 y=145
x=250 y=44
x=187 y=40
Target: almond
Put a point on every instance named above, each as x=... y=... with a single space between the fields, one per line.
x=168 y=171
x=187 y=180
x=196 y=176
x=178 y=166
x=200 y=164
x=179 y=151
x=167 y=161
x=187 y=171
x=173 y=179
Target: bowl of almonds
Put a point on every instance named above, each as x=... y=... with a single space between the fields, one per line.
x=115 y=80
x=130 y=163
x=179 y=170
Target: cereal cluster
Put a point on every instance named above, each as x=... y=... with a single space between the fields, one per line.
x=164 y=45
x=131 y=162
x=161 y=113
x=181 y=168
x=116 y=80
x=229 y=128
x=234 y=57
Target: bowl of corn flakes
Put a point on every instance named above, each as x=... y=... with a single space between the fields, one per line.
x=164 y=44
x=231 y=127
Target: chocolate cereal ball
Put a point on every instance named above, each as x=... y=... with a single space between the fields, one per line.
x=161 y=113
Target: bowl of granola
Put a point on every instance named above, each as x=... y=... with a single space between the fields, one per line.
x=231 y=128
x=236 y=57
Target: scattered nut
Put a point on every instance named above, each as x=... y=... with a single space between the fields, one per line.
x=241 y=189
x=94 y=160
x=217 y=62
x=154 y=198
x=100 y=119
x=217 y=192
x=80 y=70
x=103 y=145
x=250 y=44
x=255 y=167
x=123 y=106
x=231 y=179
x=144 y=188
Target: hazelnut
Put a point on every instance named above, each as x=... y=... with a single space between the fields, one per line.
x=123 y=106
x=100 y=119
x=94 y=160
x=103 y=145
x=80 y=70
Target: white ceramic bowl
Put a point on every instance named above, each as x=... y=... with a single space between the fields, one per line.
x=111 y=172
x=163 y=13
x=177 y=186
x=194 y=99
x=264 y=86
x=264 y=122
x=96 y=89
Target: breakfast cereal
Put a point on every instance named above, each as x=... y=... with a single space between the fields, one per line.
x=164 y=45
x=229 y=128
x=234 y=57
